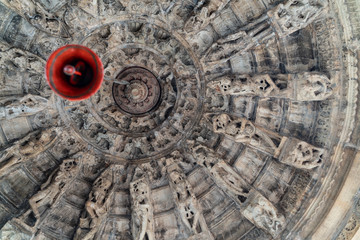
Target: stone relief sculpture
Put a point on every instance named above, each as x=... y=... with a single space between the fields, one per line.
x=223 y=174
x=294 y=15
x=39 y=17
x=264 y=215
x=313 y=86
x=142 y=213
x=38 y=142
x=243 y=131
x=31 y=145
x=308 y=86
x=229 y=179
x=258 y=210
x=24 y=74
x=189 y=208
x=97 y=205
x=81 y=171
x=259 y=32
x=299 y=153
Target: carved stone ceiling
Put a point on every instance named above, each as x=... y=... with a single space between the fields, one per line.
x=238 y=122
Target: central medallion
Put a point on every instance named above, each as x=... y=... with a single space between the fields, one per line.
x=141 y=95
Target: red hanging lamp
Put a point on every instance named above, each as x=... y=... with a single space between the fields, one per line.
x=74 y=72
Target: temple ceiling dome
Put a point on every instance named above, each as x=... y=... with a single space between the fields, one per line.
x=238 y=120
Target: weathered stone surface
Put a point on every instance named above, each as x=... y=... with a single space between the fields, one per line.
x=236 y=123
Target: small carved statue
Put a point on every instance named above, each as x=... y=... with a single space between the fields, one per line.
x=264 y=215
x=302 y=155
x=241 y=130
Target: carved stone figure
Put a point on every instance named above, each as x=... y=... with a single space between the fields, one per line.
x=259 y=32
x=204 y=157
x=141 y=218
x=32 y=144
x=95 y=206
x=21 y=73
x=301 y=154
x=146 y=7
x=222 y=173
x=188 y=207
x=308 y=86
x=264 y=215
x=241 y=130
x=39 y=17
x=98 y=203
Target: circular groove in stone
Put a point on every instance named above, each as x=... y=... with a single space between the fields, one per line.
x=141 y=95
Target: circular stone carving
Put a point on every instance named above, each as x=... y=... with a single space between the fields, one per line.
x=157 y=110
x=141 y=95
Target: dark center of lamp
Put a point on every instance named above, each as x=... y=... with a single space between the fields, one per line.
x=74 y=72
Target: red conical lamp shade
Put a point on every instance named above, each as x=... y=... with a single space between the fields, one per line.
x=74 y=72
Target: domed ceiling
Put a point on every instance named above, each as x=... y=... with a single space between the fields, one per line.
x=238 y=121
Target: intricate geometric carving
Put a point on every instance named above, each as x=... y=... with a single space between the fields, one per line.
x=141 y=95
x=141 y=136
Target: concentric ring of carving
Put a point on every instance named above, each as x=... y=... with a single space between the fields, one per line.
x=141 y=95
x=159 y=112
